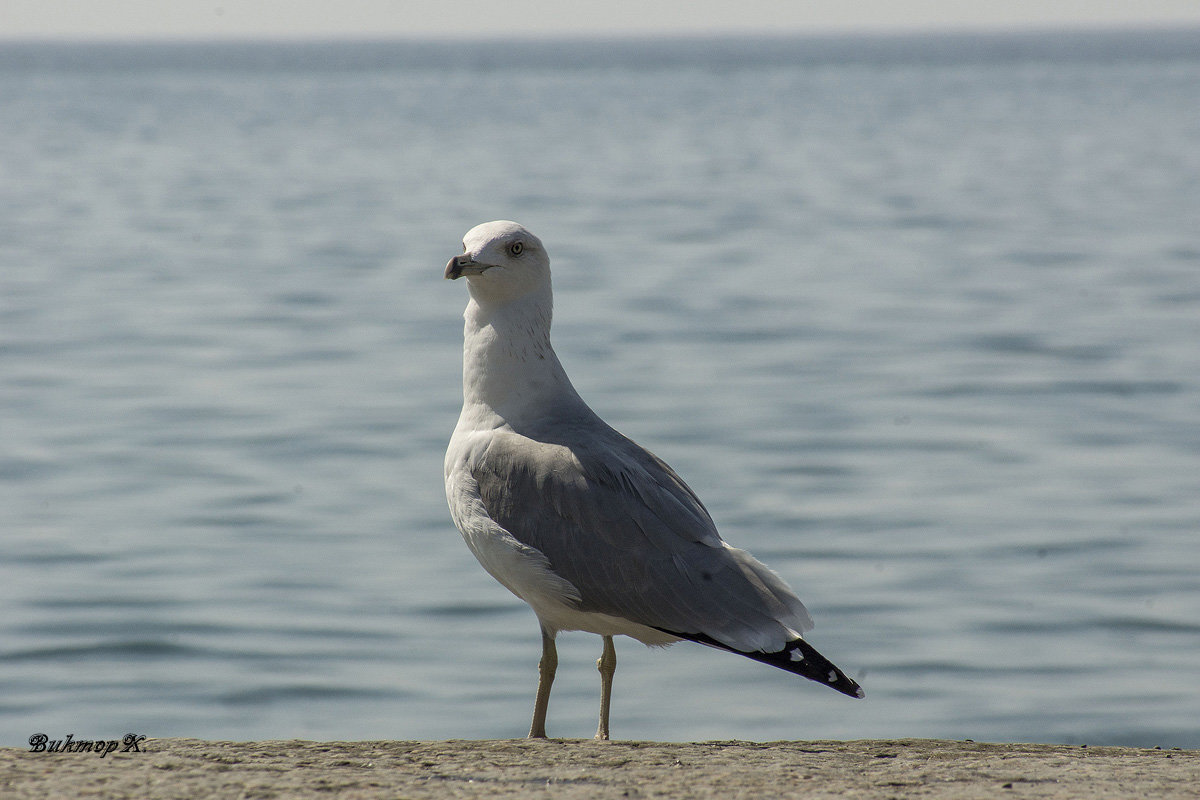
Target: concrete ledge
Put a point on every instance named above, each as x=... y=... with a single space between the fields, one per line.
x=172 y=768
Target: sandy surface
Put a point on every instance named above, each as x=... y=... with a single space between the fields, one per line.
x=191 y=768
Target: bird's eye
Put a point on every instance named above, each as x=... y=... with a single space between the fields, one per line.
x=516 y=248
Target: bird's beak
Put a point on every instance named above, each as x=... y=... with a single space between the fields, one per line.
x=463 y=265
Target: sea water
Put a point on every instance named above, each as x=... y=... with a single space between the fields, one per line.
x=918 y=318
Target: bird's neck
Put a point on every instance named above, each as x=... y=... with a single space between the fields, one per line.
x=510 y=369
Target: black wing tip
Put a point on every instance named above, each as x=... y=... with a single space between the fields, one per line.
x=802 y=658
x=798 y=657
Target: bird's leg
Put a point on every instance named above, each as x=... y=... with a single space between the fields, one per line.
x=607 y=664
x=546 y=669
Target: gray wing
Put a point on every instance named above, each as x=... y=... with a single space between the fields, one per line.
x=637 y=543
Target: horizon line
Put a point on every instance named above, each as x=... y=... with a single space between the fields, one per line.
x=551 y=36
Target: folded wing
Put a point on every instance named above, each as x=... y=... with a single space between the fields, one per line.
x=619 y=525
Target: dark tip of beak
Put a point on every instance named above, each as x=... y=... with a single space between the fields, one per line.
x=456 y=265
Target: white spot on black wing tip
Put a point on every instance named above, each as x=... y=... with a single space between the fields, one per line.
x=859 y=693
x=833 y=676
x=796 y=655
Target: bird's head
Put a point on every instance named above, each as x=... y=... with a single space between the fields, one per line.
x=501 y=261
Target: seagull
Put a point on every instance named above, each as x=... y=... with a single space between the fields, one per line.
x=594 y=532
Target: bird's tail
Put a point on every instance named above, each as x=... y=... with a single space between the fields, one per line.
x=798 y=657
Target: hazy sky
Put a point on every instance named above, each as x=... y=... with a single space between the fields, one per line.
x=476 y=18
